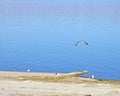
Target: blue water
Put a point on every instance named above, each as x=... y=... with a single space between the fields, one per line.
x=43 y=40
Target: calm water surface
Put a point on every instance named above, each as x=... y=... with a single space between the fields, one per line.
x=43 y=40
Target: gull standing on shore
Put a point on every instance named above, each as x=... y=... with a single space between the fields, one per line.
x=28 y=70
x=81 y=41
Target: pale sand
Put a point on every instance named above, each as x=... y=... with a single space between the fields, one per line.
x=39 y=84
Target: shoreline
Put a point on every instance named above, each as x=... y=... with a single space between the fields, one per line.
x=49 y=84
x=50 y=73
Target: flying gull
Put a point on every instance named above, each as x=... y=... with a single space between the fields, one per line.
x=81 y=41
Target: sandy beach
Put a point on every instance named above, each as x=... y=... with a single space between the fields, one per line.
x=50 y=84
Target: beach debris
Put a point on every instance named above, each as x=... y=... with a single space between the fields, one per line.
x=87 y=95
x=80 y=42
x=57 y=74
x=2 y=88
x=28 y=70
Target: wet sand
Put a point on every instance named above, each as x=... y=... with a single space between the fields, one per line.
x=50 y=84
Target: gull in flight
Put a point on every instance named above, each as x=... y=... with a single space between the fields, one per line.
x=81 y=41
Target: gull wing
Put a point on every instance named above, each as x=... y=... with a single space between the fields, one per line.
x=81 y=41
x=85 y=42
x=77 y=43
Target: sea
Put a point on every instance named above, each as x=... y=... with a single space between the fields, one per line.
x=44 y=40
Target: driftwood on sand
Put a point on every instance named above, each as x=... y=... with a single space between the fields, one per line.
x=73 y=74
x=53 y=78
